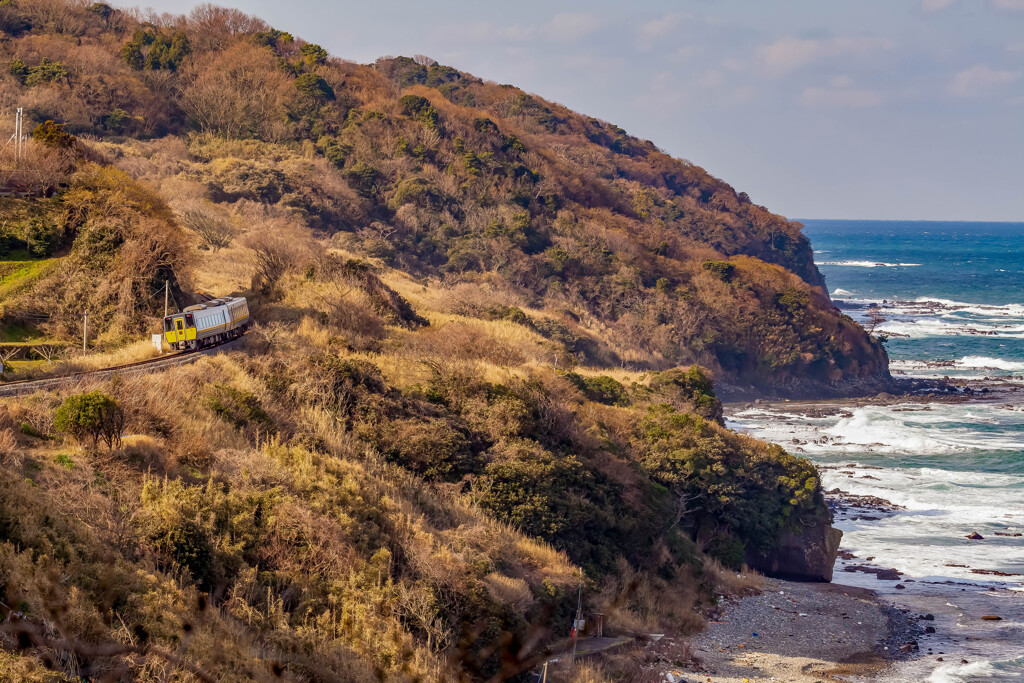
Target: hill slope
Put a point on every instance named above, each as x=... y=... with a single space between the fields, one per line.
x=648 y=259
x=474 y=380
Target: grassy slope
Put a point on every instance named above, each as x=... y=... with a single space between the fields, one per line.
x=366 y=493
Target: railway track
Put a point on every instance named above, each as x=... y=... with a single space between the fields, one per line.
x=27 y=386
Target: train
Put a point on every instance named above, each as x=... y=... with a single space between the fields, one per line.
x=208 y=323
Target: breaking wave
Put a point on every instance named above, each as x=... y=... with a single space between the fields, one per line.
x=868 y=264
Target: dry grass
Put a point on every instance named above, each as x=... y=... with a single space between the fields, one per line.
x=733 y=583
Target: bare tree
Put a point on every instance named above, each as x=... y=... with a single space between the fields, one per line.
x=213 y=230
x=875 y=318
x=274 y=250
x=48 y=352
x=6 y=354
x=240 y=92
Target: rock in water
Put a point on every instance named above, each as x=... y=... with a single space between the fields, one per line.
x=806 y=556
x=975 y=536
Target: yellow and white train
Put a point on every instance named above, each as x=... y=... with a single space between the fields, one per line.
x=208 y=323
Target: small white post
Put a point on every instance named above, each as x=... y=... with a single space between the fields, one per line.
x=85 y=332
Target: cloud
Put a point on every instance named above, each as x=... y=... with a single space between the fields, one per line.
x=840 y=97
x=711 y=79
x=1007 y=5
x=980 y=80
x=571 y=26
x=662 y=26
x=935 y=5
x=789 y=54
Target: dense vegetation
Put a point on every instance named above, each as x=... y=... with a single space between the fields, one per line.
x=487 y=332
x=441 y=174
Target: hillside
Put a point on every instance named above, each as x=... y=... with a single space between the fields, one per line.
x=489 y=334
x=648 y=260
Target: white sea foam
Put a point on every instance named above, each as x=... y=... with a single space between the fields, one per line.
x=839 y=291
x=889 y=430
x=986 y=363
x=961 y=673
x=867 y=264
x=968 y=367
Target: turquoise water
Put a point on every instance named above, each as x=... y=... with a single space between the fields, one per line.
x=952 y=296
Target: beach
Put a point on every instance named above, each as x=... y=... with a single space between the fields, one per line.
x=798 y=632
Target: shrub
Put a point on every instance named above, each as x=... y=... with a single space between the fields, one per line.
x=239 y=408
x=723 y=270
x=94 y=415
x=214 y=231
x=692 y=386
x=314 y=87
x=727 y=486
x=601 y=389
x=419 y=108
x=313 y=54
x=53 y=135
x=45 y=72
x=434 y=448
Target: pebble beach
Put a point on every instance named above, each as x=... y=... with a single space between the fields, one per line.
x=798 y=632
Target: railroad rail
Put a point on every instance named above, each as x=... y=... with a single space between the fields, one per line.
x=27 y=386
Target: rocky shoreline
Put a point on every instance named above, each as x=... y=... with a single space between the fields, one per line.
x=948 y=624
x=799 y=632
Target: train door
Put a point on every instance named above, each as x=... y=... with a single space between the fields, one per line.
x=179 y=326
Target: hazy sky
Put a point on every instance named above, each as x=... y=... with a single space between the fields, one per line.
x=908 y=109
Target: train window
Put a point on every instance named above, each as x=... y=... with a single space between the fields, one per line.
x=168 y=325
x=189 y=320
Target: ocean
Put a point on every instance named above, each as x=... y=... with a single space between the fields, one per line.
x=951 y=299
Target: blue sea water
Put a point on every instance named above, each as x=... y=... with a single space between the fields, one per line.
x=956 y=290
x=952 y=298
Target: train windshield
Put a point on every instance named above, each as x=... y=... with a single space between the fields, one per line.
x=168 y=325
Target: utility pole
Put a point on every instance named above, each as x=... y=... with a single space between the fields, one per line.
x=576 y=622
x=85 y=332
x=167 y=294
x=19 y=134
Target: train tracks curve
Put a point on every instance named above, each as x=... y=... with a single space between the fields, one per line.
x=27 y=386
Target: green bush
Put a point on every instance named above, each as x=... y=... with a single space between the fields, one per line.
x=692 y=386
x=314 y=87
x=726 y=484
x=419 y=108
x=723 y=270
x=600 y=389
x=94 y=415
x=53 y=135
x=45 y=72
x=313 y=54
x=239 y=408
x=28 y=430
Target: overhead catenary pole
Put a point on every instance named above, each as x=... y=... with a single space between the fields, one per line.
x=167 y=294
x=85 y=332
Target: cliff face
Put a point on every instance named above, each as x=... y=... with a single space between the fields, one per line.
x=649 y=260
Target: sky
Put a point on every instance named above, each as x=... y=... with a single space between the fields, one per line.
x=871 y=109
